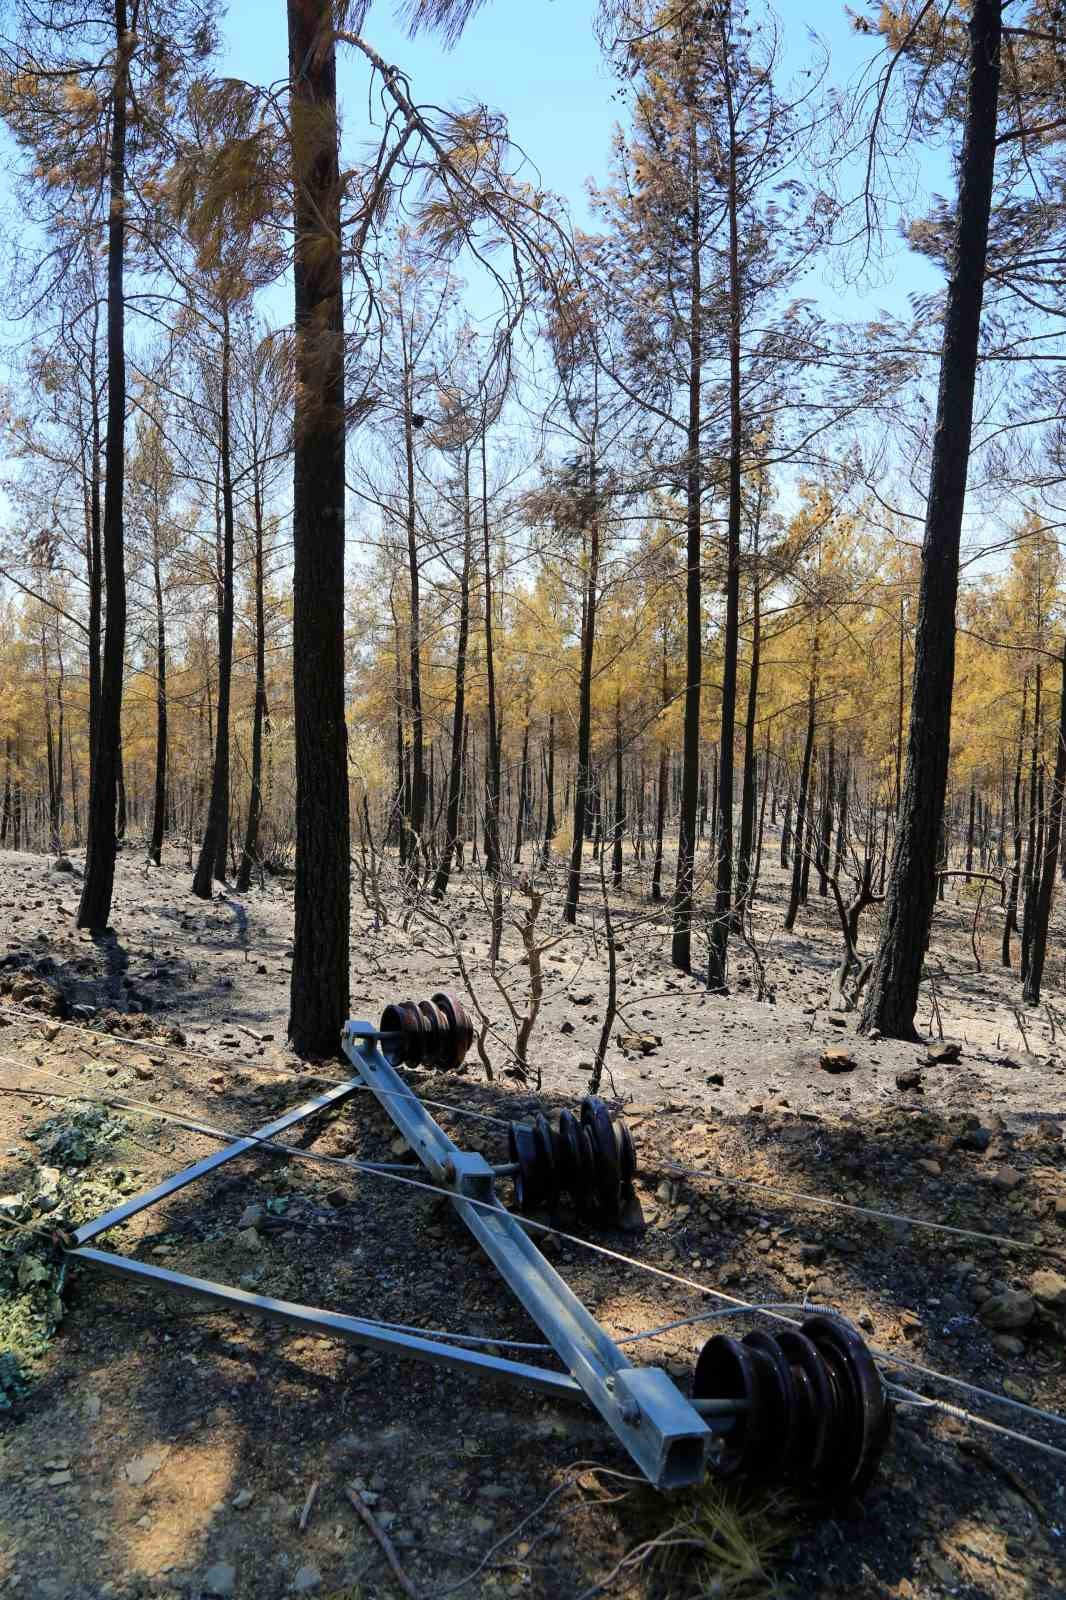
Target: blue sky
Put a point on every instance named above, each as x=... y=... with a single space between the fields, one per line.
x=538 y=61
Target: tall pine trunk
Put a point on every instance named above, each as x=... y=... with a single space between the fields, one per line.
x=1032 y=850
x=212 y=860
x=250 y=852
x=660 y=793
x=522 y=817
x=1045 y=889
x=723 y=893
x=681 y=944
x=319 y=991
x=895 y=980
x=549 y=816
x=1010 y=920
x=583 y=783
x=745 y=876
x=418 y=759
x=101 y=843
x=159 y=802
x=452 y=820
x=493 y=862
x=619 y=797
x=799 y=855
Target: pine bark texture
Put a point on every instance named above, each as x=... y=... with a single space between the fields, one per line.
x=320 y=968
x=892 y=992
x=212 y=859
x=101 y=841
x=1045 y=888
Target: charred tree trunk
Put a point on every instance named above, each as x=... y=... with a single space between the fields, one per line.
x=1045 y=891
x=762 y=818
x=583 y=782
x=747 y=794
x=549 y=819
x=723 y=893
x=842 y=815
x=521 y=818
x=5 y=819
x=159 y=802
x=418 y=759
x=101 y=843
x=827 y=819
x=892 y=992
x=452 y=819
x=1010 y=921
x=681 y=944
x=619 y=798
x=318 y=1004
x=212 y=861
x=970 y=832
x=799 y=853
x=1032 y=852
x=493 y=862
x=660 y=794
x=250 y=852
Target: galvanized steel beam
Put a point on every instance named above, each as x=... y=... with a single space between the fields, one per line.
x=662 y=1432
x=333 y=1324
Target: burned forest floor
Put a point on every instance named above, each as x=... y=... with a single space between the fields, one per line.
x=152 y=1446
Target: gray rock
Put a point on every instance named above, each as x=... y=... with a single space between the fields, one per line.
x=220 y=1579
x=141 y=1468
x=252 y=1216
x=242 y=1499
x=306 y=1579
x=1011 y=1309
x=1008 y=1344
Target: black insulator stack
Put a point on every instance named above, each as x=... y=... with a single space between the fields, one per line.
x=429 y=1033
x=591 y=1158
x=815 y=1413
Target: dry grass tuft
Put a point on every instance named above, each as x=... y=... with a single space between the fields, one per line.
x=723 y=1543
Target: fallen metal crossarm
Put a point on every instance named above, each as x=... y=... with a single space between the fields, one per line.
x=664 y=1434
x=335 y=1324
x=805 y=1405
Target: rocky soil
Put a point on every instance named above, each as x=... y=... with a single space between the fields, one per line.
x=150 y=1446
